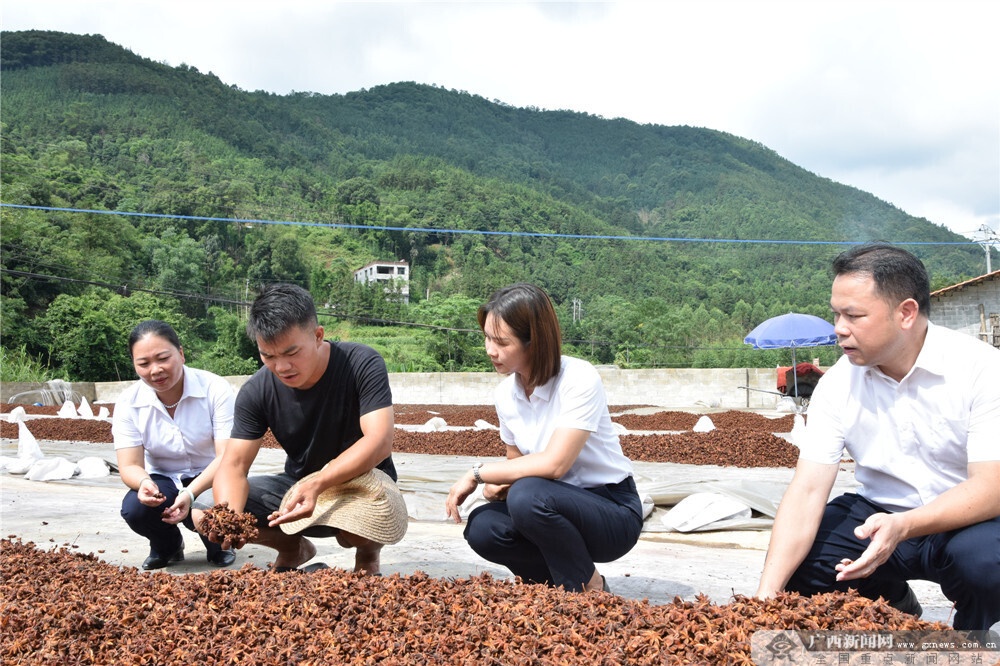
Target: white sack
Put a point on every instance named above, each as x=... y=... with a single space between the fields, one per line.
x=27 y=445
x=85 y=410
x=704 y=424
x=28 y=452
x=51 y=469
x=435 y=424
x=92 y=467
x=16 y=465
x=786 y=405
x=16 y=415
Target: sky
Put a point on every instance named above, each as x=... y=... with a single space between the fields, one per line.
x=900 y=98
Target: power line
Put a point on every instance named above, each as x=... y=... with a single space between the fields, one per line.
x=17 y=253
x=364 y=319
x=125 y=289
x=476 y=232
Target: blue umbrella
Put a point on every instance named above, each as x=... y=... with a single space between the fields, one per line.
x=792 y=330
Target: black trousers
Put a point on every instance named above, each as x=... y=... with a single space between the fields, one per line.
x=164 y=539
x=964 y=562
x=553 y=532
x=265 y=495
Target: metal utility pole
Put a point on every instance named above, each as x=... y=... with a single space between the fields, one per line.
x=987 y=242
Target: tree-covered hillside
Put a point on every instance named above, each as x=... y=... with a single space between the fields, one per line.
x=220 y=190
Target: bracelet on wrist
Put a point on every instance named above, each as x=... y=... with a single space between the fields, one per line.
x=190 y=494
x=475 y=473
x=141 y=481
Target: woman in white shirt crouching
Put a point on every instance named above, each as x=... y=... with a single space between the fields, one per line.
x=170 y=429
x=564 y=498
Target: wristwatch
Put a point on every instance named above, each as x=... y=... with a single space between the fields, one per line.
x=475 y=473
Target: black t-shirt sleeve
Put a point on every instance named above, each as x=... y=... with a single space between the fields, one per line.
x=372 y=379
x=249 y=421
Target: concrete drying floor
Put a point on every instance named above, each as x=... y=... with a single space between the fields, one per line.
x=84 y=515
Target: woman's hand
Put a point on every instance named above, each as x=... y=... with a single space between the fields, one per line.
x=458 y=494
x=149 y=493
x=180 y=509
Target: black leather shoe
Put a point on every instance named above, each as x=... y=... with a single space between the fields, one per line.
x=908 y=604
x=222 y=558
x=157 y=562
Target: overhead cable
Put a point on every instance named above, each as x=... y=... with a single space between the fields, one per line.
x=475 y=232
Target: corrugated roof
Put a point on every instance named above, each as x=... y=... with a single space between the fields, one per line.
x=995 y=275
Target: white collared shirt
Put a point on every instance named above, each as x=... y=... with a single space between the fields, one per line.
x=574 y=398
x=185 y=444
x=910 y=440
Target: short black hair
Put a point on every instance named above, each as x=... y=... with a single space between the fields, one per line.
x=160 y=329
x=279 y=308
x=898 y=275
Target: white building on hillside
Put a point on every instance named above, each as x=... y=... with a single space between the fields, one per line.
x=394 y=274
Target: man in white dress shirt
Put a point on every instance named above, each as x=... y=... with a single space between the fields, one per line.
x=917 y=407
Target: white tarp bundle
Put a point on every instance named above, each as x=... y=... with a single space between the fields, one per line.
x=28 y=451
x=92 y=467
x=16 y=415
x=703 y=511
x=51 y=469
x=36 y=466
x=435 y=424
x=704 y=424
x=85 y=409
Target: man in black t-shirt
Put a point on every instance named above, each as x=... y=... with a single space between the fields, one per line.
x=328 y=404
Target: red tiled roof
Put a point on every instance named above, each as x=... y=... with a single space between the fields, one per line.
x=995 y=275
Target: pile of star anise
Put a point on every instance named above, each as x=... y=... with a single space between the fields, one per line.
x=58 y=607
x=229 y=525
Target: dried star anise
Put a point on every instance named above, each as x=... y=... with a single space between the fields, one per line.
x=230 y=526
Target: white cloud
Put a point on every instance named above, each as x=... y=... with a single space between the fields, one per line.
x=899 y=98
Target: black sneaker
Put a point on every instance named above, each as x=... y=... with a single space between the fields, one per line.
x=908 y=603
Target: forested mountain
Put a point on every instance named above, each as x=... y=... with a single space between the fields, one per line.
x=227 y=189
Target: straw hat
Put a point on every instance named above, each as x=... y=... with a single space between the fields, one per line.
x=369 y=505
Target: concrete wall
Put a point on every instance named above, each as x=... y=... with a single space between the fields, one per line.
x=677 y=388
x=968 y=309
x=31 y=392
x=109 y=391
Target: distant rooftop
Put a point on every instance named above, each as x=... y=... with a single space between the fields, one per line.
x=995 y=275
